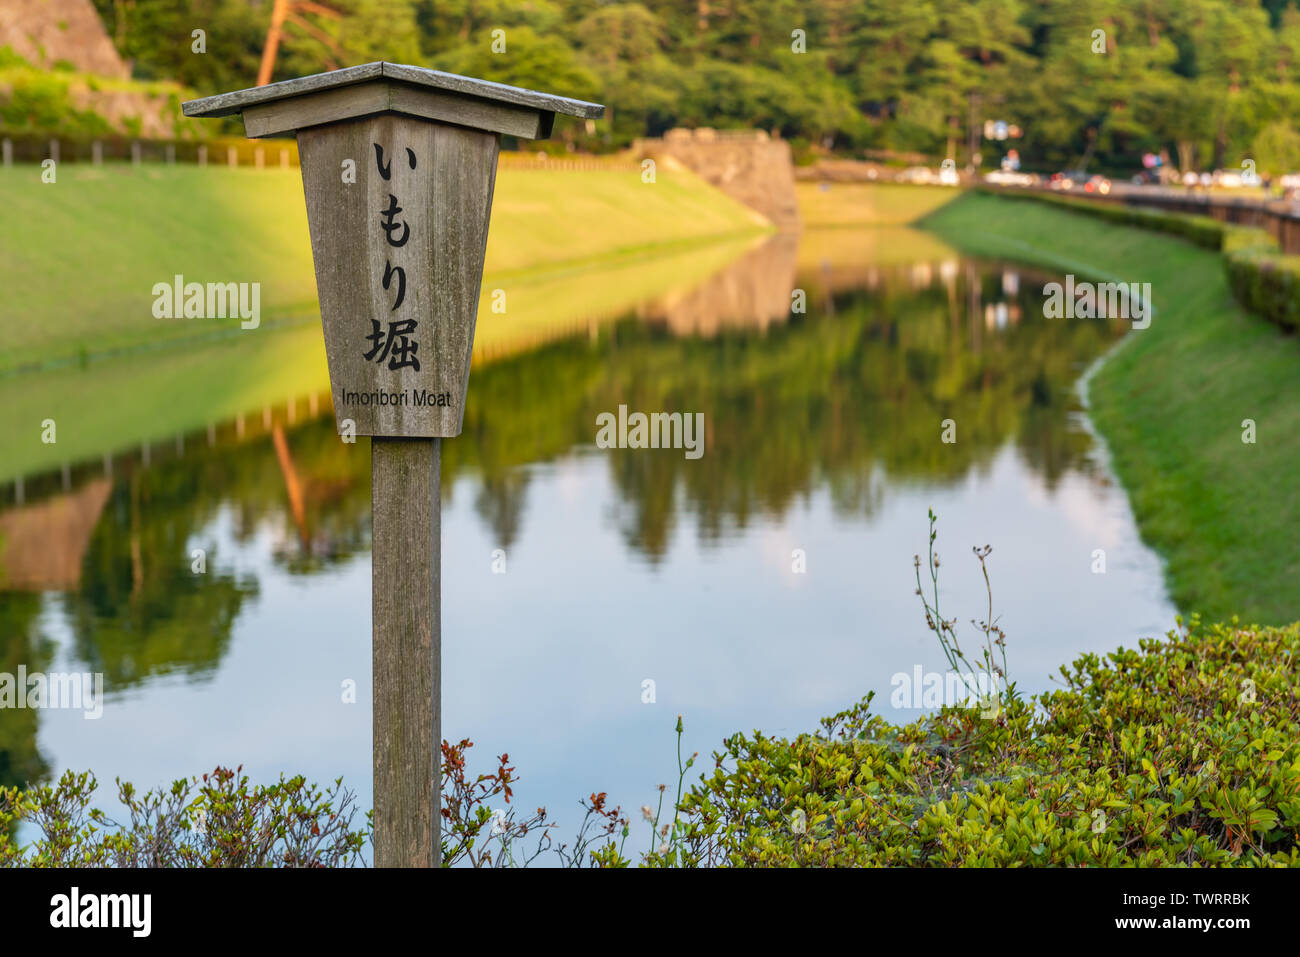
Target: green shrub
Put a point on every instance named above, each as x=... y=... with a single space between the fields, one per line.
x=1184 y=752
x=8 y=58
x=32 y=100
x=218 y=822
x=1239 y=239
x=1267 y=284
x=66 y=103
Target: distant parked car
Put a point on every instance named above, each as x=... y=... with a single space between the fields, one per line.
x=1097 y=184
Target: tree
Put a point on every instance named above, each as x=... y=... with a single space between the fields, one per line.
x=1276 y=149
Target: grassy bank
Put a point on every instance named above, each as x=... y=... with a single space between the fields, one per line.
x=80 y=256
x=868 y=204
x=1171 y=402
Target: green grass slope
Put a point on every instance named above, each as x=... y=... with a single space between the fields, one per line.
x=79 y=257
x=868 y=204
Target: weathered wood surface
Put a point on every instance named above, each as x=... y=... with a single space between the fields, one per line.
x=282 y=117
x=407 y=649
x=446 y=200
x=225 y=104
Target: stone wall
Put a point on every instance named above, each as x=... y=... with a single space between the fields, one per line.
x=749 y=166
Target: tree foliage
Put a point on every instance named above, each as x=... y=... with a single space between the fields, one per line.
x=1088 y=81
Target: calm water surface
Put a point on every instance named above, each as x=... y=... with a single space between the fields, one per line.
x=620 y=566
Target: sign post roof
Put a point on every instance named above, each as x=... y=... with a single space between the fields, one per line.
x=282 y=108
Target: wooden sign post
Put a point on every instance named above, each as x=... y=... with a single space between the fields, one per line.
x=398 y=165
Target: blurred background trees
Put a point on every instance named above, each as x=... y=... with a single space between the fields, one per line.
x=1104 y=81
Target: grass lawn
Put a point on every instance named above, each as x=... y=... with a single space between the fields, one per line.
x=868 y=204
x=1171 y=401
x=546 y=218
x=79 y=257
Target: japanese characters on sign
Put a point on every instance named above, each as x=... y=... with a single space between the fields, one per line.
x=394 y=341
x=398 y=212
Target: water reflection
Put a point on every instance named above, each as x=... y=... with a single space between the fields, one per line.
x=20 y=645
x=751 y=293
x=822 y=430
